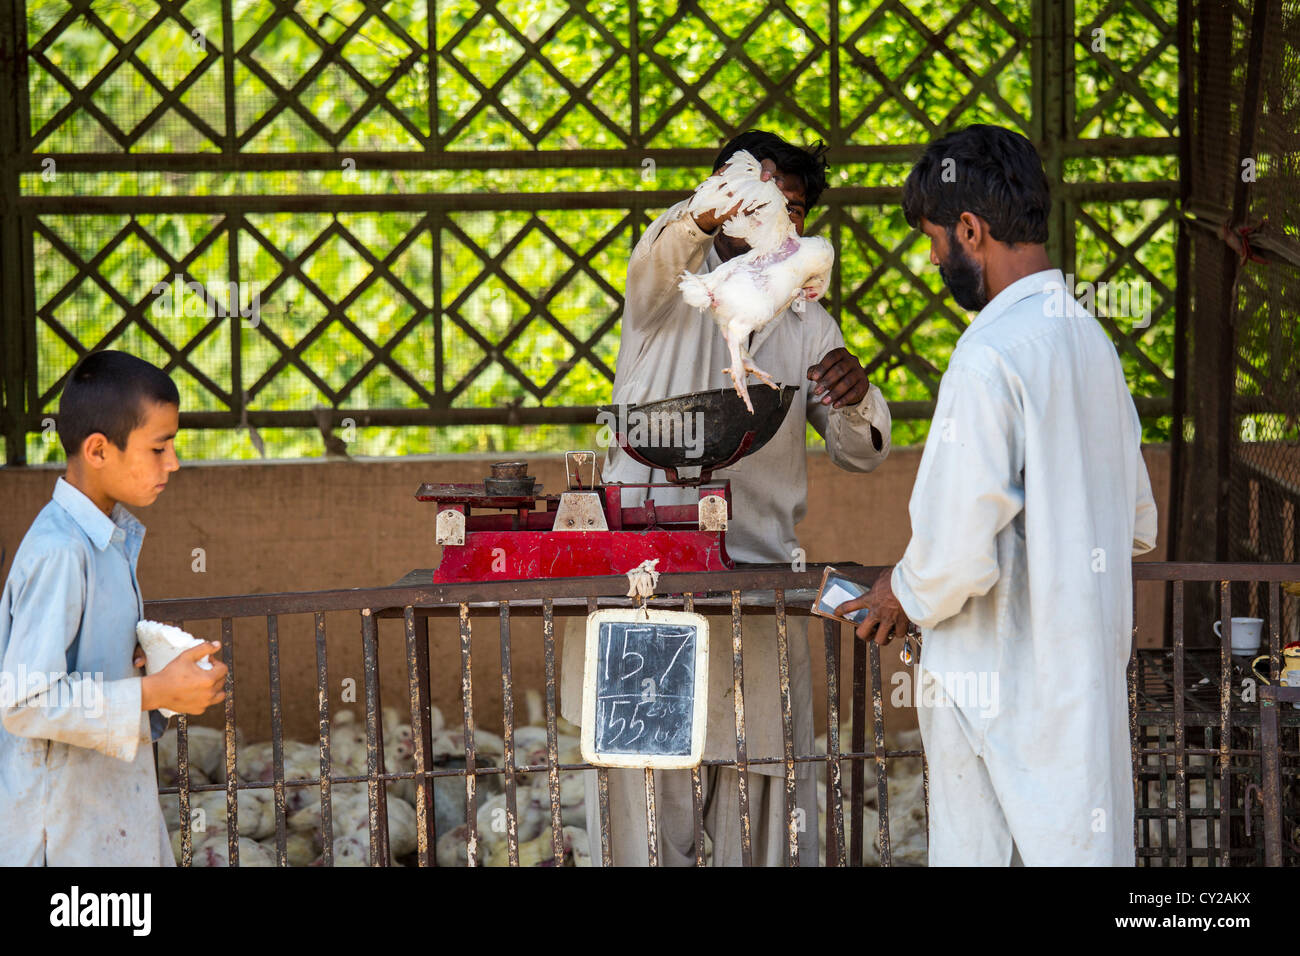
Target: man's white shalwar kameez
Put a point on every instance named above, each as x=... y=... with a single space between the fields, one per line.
x=669 y=348
x=1030 y=499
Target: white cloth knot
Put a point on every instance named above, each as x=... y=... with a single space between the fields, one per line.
x=642 y=579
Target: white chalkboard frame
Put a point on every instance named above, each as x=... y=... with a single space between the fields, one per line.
x=700 y=709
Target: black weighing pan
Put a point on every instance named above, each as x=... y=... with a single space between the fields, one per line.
x=730 y=432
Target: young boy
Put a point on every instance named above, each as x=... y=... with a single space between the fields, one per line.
x=77 y=777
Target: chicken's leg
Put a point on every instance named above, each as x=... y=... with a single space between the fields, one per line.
x=739 y=360
x=759 y=374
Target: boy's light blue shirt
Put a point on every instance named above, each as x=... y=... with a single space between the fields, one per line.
x=77 y=779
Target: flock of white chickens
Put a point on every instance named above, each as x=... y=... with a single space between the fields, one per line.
x=350 y=805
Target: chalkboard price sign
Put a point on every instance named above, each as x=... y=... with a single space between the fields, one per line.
x=645 y=688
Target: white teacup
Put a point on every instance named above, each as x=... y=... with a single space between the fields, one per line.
x=1245 y=634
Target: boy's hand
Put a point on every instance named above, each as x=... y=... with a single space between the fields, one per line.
x=185 y=687
x=138 y=659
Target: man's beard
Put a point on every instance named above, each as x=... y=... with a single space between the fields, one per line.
x=963 y=277
x=729 y=247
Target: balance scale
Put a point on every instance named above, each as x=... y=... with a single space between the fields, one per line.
x=505 y=528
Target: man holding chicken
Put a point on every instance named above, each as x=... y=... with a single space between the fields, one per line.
x=669 y=348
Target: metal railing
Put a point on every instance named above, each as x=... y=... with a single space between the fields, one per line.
x=1163 y=701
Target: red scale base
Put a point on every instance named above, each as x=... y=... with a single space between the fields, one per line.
x=515 y=541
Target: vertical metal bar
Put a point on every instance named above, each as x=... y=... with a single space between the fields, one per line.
x=1271 y=771
x=17 y=298
x=230 y=142
x=634 y=74
x=436 y=266
x=602 y=792
x=835 y=134
x=183 y=783
x=925 y=789
x=1182 y=282
x=183 y=780
x=651 y=819
x=1269 y=744
x=1135 y=742
x=1275 y=614
x=232 y=770
x=471 y=777
x=552 y=734
x=834 y=792
x=1225 y=722
x=793 y=823
x=1162 y=787
x=425 y=737
x=1180 y=729
x=857 y=742
x=234 y=221
x=742 y=756
x=378 y=795
x=277 y=737
x=435 y=129
x=419 y=724
x=323 y=728
x=882 y=768
x=1051 y=58
x=697 y=780
x=508 y=735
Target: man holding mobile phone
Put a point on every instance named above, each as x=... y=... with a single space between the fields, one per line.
x=1031 y=498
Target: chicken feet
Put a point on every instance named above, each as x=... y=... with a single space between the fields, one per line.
x=740 y=358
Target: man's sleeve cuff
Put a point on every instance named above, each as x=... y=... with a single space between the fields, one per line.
x=873 y=409
x=907 y=599
x=689 y=227
x=123 y=717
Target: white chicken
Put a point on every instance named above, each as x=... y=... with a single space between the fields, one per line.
x=207 y=755
x=212 y=849
x=748 y=291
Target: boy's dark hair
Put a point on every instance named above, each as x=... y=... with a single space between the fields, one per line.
x=106 y=393
x=995 y=174
x=809 y=162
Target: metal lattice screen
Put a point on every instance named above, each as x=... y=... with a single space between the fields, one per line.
x=1266 y=450
x=434 y=203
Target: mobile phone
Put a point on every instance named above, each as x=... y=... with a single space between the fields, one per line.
x=835 y=590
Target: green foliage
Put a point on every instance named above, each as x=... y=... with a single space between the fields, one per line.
x=400 y=310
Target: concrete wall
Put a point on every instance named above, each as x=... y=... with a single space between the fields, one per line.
x=308 y=525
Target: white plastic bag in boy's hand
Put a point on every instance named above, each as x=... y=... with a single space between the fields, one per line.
x=162 y=644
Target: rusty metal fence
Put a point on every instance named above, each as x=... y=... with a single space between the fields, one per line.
x=1193 y=730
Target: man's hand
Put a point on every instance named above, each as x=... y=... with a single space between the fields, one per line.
x=886 y=618
x=840 y=379
x=138 y=659
x=183 y=686
x=708 y=221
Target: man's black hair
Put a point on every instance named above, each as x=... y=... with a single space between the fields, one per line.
x=109 y=392
x=809 y=162
x=994 y=173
